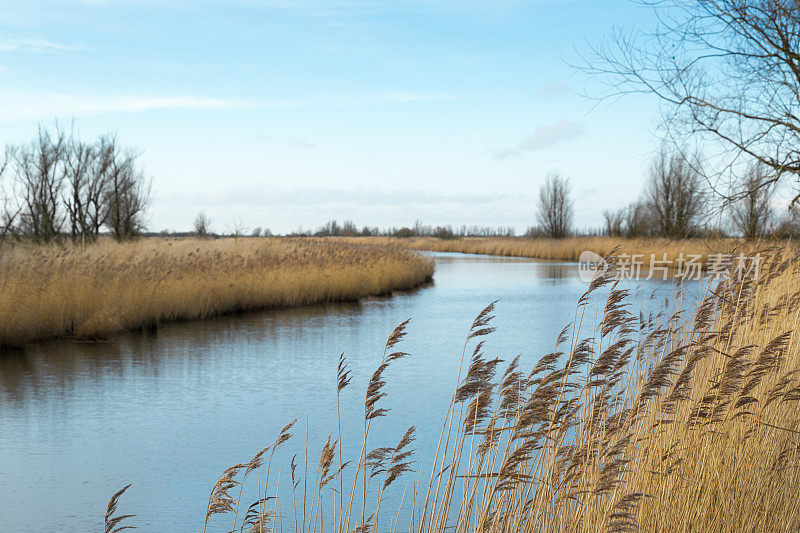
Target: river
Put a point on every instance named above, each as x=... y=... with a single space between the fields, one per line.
x=169 y=410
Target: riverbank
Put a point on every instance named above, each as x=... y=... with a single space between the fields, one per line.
x=570 y=249
x=106 y=288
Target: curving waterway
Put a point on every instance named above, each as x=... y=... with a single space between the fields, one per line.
x=169 y=410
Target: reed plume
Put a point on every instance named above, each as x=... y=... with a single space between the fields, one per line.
x=113 y=524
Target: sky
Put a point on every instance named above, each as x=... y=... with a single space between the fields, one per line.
x=284 y=114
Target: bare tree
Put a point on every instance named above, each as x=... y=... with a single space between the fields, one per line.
x=98 y=183
x=60 y=183
x=202 y=224
x=127 y=196
x=674 y=195
x=751 y=211
x=788 y=226
x=728 y=72
x=9 y=207
x=79 y=157
x=555 y=207
x=239 y=228
x=39 y=172
x=638 y=220
x=330 y=229
x=87 y=177
x=614 y=222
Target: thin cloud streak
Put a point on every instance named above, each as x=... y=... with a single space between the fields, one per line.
x=553 y=89
x=296 y=142
x=543 y=137
x=34 y=45
x=22 y=106
x=35 y=106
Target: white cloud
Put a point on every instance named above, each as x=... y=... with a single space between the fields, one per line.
x=297 y=142
x=387 y=98
x=543 y=137
x=22 y=105
x=416 y=97
x=33 y=45
x=552 y=89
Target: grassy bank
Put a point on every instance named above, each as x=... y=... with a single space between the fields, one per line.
x=670 y=422
x=50 y=291
x=568 y=249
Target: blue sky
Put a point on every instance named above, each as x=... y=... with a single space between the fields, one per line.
x=280 y=114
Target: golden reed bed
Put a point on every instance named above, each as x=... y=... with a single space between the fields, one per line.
x=108 y=287
x=569 y=249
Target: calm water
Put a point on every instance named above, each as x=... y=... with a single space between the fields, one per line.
x=170 y=410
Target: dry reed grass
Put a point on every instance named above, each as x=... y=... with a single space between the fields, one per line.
x=49 y=291
x=570 y=249
x=667 y=421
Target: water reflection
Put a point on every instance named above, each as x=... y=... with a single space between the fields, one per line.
x=558 y=271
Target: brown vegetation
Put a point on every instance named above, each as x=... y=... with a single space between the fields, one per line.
x=48 y=291
x=570 y=249
x=666 y=421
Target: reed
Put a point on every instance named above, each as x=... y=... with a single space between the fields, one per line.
x=666 y=421
x=50 y=291
x=570 y=249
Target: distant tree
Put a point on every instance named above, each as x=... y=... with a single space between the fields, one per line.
x=239 y=228
x=300 y=232
x=638 y=220
x=330 y=229
x=61 y=184
x=127 y=195
x=9 y=207
x=788 y=227
x=87 y=180
x=349 y=229
x=202 y=224
x=535 y=232
x=39 y=170
x=674 y=194
x=256 y=232
x=750 y=209
x=614 y=222
x=444 y=232
x=555 y=207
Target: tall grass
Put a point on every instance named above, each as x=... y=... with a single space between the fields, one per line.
x=569 y=249
x=48 y=291
x=670 y=421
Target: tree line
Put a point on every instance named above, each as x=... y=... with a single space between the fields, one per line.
x=349 y=229
x=676 y=202
x=58 y=186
